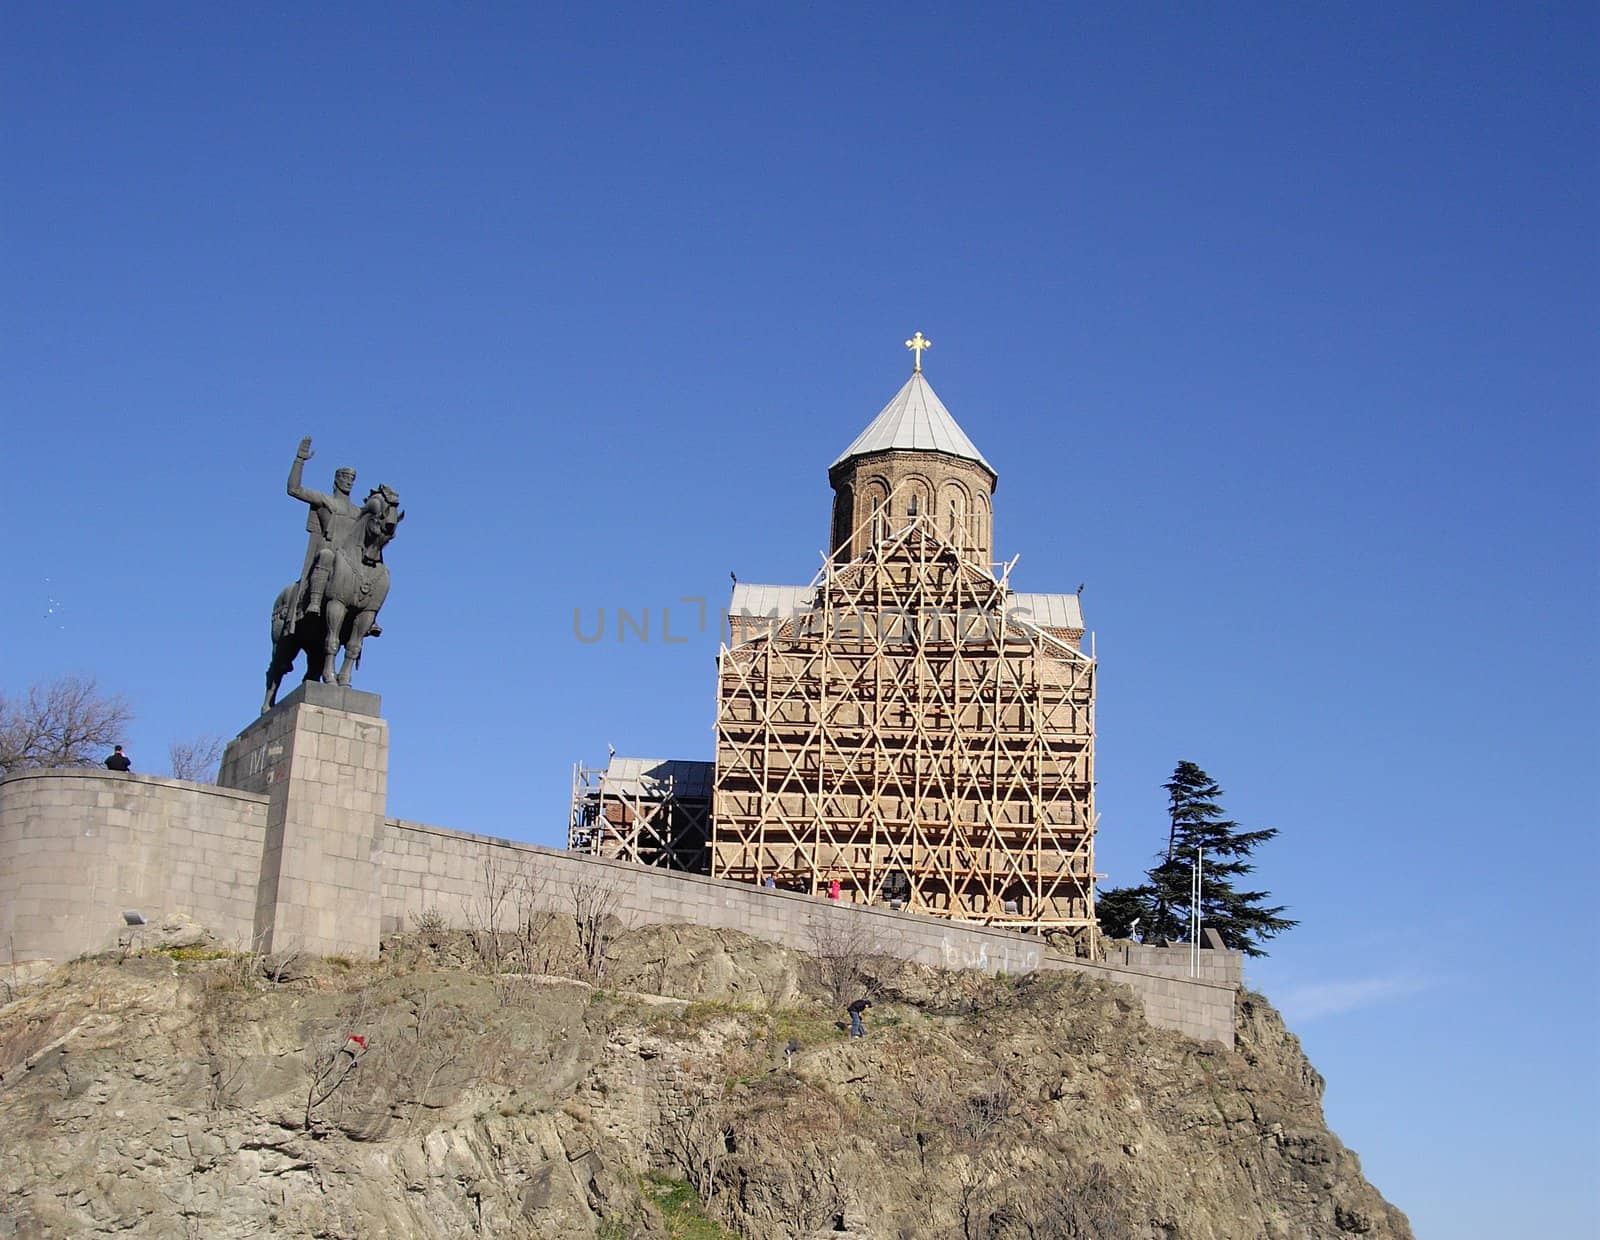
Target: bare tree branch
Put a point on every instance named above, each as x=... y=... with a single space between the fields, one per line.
x=697 y=1135
x=841 y=949
x=509 y=926
x=67 y=722
x=594 y=903
x=196 y=760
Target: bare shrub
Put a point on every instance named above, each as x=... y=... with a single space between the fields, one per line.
x=196 y=760
x=418 y=1058
x=330 y=1068
x=697 y=1136
x=9 y=985
x=372 y=1066
x=659 y=968
x=430 y=924
x=489 y=911
x=974 y=1189
x=67 y=722
x=225 y=1074
x=226 y=984
x=509 y=924
x=1080 y=1204
x=842 y=949
x=333 y=1058
x=976 y=1117
x=594 y=904
x=280 y=967
x=537 y=945
x=929 y=1095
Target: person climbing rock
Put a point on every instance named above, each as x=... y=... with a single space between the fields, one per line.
x=857 y=1029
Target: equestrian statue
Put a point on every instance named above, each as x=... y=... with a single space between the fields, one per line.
x=343 y=580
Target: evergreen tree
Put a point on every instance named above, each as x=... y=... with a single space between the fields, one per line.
x=1124 y=911
x=1162 y=905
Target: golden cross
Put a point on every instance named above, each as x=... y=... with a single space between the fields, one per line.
x=917 y=344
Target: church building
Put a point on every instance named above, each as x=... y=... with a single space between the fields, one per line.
x=906 y=730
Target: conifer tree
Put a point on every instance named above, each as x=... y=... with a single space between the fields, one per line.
x=1162 y=904
x=1124 y=911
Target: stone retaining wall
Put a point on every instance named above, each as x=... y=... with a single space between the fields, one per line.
x=427 y=868
x=1223 y=967
x=77 y=847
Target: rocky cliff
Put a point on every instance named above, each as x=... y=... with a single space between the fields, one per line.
x=658 y=1082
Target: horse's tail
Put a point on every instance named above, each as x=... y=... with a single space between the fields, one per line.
x=282 y=606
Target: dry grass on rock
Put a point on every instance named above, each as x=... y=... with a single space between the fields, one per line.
x=460 y=1085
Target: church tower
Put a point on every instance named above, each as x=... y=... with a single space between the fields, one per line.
x=908 y=726
x=914 y=449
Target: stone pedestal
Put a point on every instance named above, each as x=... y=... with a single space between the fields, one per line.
x=321 y=756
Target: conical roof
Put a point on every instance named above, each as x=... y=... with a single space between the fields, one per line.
x=914 y=421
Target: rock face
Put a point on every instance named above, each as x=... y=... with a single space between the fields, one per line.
x=169 y=1094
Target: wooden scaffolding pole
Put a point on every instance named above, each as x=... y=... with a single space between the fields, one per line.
x=907 y=737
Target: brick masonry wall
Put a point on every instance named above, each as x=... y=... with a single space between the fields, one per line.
x=431 y=868
x=77 y=847
x=896 y=476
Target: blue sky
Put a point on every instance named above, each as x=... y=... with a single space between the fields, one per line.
x=1278 y=323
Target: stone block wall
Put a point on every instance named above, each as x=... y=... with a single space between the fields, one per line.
x=77 y=847
x=321 y=757
x=1223 y=967
x=425 y=868
x=303 y=860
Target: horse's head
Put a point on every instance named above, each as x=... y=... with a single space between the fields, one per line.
x=381 y=515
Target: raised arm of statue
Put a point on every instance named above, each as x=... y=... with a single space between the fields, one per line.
x=296 y=489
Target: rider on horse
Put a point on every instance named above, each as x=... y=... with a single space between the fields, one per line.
x=330 y=524
x=342 y=584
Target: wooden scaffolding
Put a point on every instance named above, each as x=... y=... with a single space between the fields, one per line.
x=902 y=735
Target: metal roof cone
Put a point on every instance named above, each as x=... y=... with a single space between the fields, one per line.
x=915 y=420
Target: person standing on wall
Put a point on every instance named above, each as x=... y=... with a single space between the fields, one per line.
x=118 y=761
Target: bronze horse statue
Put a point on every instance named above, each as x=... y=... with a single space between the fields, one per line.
x=356 y=589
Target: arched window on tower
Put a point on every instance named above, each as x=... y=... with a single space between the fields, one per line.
x=956 y=526
x=874 y=508
x=844 y=515
x=919 y=503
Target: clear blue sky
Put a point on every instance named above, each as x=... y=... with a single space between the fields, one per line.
x=1278 y=323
